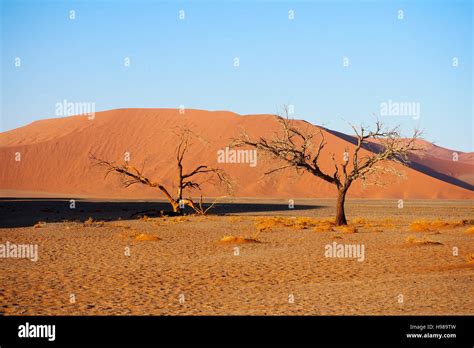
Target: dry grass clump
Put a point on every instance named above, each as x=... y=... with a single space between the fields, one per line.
x=303 y=223
x=324 y=226
x=470 y=230
x=386 y=223
x=268 y=223
x=274 y=221
x=91 y=223
x=470 y=258
x=423 y=241
x=299 y=223
x=265 y=224
x=378 y=224
x=425 y=225
x=348 y=229
x=146 y=237
x=40 y=224
x=144 y=218
x=238 y=240
x=360 y=221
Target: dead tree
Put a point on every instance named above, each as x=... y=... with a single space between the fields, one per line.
x=186 y=180
x=295 y=149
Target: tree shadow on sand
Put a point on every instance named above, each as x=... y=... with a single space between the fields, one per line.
x=24 y=212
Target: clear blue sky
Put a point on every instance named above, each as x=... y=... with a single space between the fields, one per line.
x=282 y=61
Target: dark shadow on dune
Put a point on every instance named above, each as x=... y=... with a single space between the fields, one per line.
x=414 y=164
x=24 y=212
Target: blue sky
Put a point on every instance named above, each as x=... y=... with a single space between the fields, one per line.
x=190 y=62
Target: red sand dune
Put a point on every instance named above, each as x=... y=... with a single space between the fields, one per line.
x=55 y=158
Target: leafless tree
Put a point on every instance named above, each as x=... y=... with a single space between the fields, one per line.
x=186 y=180
x=295 y=148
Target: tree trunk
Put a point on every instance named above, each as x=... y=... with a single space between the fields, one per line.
x=340 y=213
x=174 y=203
x=176 y=208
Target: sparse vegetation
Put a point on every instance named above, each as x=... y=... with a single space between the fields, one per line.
x=303 y=223
x=470 y=230
x=435 y=225
x=238 y=240
x=146 y=237
x=263 y=224
x=300 y=223
x=470 y=258
x=422 y=241
x=360 y=221
x=348 y=229
x=91 y=223
x=325 y=226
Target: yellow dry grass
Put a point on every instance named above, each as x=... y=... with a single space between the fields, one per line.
x=435 y=225
x=324 y=226
x=360 y=221
x=145 y=218
x=303 y=223
x=424 y=241
x=265 y=225
x=470 y=230
x=146 y=237
x=300 y=223
x=238 y=240
x=347 y=229
x=91 y=223
x=470 y=258
x=379 y=225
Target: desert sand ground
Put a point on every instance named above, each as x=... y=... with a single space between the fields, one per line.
x=185 y=269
